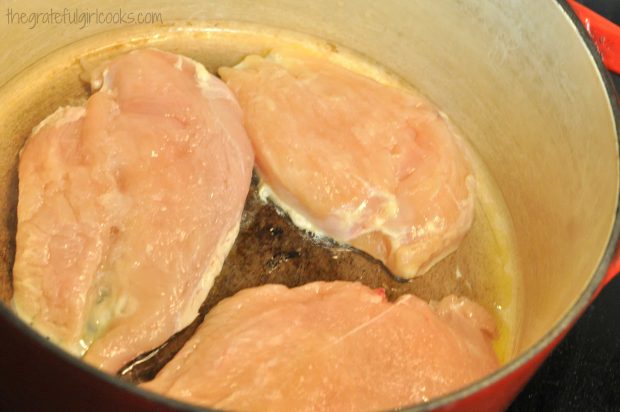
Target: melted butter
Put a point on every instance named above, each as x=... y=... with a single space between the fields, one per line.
x=488 y=257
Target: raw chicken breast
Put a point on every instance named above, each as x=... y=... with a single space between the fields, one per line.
x=337 y=346
x=128 y=206
x=356 y=160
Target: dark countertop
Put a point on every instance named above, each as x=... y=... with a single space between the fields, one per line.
x=583 y=373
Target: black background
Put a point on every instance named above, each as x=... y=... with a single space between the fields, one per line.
x=583 y=373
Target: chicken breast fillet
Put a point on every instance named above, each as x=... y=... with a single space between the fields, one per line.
x=359 y=161
x=128 y=207
x=337 y=346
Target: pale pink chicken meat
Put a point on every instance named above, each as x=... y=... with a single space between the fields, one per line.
x=128 y=206
x=359 y=161
x=337 y=346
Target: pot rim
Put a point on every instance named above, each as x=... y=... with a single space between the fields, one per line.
x=546 y=341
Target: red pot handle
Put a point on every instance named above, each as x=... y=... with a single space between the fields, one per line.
x=604 y=33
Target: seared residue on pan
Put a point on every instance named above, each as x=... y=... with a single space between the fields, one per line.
x=271 y=249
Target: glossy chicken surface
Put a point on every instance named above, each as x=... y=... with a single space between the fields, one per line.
x=128 y=207
x=372 y=165
x=337 y=346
